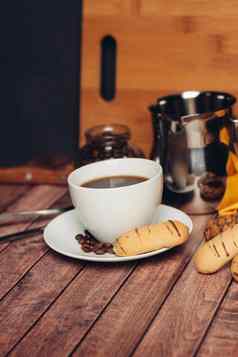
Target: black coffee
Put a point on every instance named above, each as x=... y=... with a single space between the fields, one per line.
x=114 y=181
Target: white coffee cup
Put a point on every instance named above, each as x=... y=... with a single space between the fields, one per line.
x=109 y=212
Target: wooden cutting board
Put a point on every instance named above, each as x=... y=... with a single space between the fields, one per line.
x=162 y=47
x=35 y=174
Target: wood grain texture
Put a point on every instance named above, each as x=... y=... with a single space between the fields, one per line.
x=122 y=111
x=36 y=198
x=10 y=193
x=19 y=256
x=72 y=315
x=162 y=48
x=183 y=59
x=181 y=325
x=106 y=8
x=128 y=316
x=163 y=307
x=28 y=300
x=188 y=7
x=222 y=337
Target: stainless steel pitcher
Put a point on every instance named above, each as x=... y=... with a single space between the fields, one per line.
x=189 y=145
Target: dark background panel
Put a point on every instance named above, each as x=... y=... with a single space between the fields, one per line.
x=41 y=53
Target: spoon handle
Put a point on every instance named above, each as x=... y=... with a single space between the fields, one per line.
x=11 y=217
x=22 y=234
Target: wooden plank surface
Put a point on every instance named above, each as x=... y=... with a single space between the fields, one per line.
x=33 y=295
x=18 y=269
x=51 y=305
x=128 y=316
x=18 y=257
x=181 y=325
x=72 y=315
x=54 y=306
x=10 y=193
x=222 y=337
x=35 y=198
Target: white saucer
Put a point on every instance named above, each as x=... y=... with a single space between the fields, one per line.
x=61 y=231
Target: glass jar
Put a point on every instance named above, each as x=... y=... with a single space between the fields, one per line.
x=107 y=142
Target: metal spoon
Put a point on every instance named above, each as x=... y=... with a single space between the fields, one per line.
x=14 y=217
x=6 y=218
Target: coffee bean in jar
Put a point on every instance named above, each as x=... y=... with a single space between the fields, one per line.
x=107 y=142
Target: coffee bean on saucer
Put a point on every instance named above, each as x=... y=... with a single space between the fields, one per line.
x=87 y=245
x=100 y=245
x=87 y=249
x=100 y=251
x=90 y=244
x=88 y=234
x=107 y=245
x=79 y=237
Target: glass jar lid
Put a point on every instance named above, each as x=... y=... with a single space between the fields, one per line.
x=107 y=132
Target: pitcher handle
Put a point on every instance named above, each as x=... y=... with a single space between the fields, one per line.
x=158 y=152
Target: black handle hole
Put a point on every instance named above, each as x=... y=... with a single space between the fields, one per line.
x=108 y=68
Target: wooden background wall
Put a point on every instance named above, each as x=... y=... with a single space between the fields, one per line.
x=163 y=46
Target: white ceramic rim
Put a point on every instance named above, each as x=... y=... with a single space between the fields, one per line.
x=104 y=162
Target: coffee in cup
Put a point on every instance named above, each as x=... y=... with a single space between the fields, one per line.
x=114 y=196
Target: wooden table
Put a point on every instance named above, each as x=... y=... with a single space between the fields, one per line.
x=54 y=306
